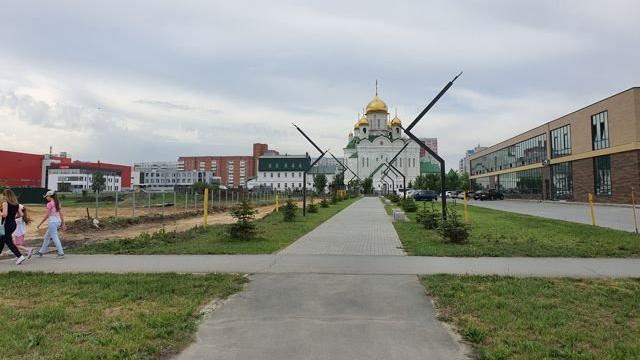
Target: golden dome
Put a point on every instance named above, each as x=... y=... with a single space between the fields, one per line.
x=363 y=122
x=377 y=105
x=395 y=121
x=355 y=126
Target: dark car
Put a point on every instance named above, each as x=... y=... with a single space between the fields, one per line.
x=476 y=195
x=491 y=194
x=425 y=195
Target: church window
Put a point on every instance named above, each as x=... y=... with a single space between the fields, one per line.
x=378 y=123
x=381 y=143
x=364 y=130
x=367 y=162
x=397 y=130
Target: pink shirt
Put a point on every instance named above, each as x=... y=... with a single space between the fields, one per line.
x=51 y=210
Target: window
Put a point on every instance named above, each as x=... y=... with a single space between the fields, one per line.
x=561 y=181
x=561 y=141
x=270 y=174
x=602 y=175
x=364 y=130
x=526 y=182
x=397 y=130
x=600 y=130
x=527 y=152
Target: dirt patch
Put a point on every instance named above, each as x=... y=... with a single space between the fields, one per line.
x=172 y=221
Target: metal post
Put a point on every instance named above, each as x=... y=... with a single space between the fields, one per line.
x=149 y=201
x=195 y=200
x=133 y=212
x=206 y=206
x=175 y=199
x=633 y=207
x=186 y=200
x=116 y=214
x=163 y=203
x=97 y=194
x=593 y=214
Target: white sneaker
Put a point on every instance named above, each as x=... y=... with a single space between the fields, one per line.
x=20 y=260
x=29 y=253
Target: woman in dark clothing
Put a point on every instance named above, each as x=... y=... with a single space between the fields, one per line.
x=9 y=210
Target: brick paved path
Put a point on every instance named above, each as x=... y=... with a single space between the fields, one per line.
x=363 y=228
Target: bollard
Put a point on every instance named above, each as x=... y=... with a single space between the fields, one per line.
x=593 y=214
x=206 y=206
x=466 y=213
x=633 y=208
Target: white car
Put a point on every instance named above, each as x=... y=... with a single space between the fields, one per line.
x=450 y=194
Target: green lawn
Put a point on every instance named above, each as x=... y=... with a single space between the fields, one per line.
x=516 y=318
x=273 y=235
x=500 y=233
x=103 y=316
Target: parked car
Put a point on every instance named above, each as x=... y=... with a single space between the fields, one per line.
x=425 y=195
x=491 y=194
x=477 y=195
x=460 y=195
x=410 y=192
x=451 y=194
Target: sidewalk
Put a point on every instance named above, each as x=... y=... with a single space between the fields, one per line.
x=333 y=264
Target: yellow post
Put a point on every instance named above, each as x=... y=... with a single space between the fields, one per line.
x=466 y=214
x=633 y=207
x=593 y=214
x=206 y=205
x=277 y=203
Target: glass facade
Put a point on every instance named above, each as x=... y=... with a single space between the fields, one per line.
x=527 y=152
x=602 y=175
x=561 y=181
x=561 y=141
x=526 y=182
x=600 y=130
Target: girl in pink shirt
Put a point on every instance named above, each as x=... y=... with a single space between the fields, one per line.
x=56 y=221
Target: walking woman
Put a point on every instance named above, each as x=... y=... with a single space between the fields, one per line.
x=10 y=209
x=56 y=220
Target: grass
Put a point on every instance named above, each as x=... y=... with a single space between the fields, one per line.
x=533 y=318
x=500 y=233
x=103 y=316
x=273 y=235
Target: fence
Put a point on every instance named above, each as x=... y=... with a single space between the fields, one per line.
x=136 y=203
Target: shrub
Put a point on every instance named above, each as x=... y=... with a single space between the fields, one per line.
x=289 y=211
x=393 y=197
x=429 y=218
x=334 y=198
x=324 y=203
x=243 y=228
x=312 y=208
x=453 y=229
x=409 y=205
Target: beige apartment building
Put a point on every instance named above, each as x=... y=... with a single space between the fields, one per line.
x=594 y=150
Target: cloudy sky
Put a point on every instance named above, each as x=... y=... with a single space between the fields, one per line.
x=127 y=81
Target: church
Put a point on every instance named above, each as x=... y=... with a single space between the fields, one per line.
x=375 y=140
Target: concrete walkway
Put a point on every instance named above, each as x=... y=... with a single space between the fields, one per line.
x=361 y=229
x=333 y=264
x=310 y=316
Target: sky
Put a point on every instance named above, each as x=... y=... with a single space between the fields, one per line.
x=131 y=81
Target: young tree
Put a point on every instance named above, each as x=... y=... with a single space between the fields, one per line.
x=98 y=183
x=464 y=181
x=367 y=185
x=320 y=183
x=243 y=228
x=453 y=180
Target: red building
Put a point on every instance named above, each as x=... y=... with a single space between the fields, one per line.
x=21 y=169
x=234 y=171
x=30 y=170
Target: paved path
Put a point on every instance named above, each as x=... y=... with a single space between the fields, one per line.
x=614 y=217
x=310 y=316
x=361 y=229
x=333 y=264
